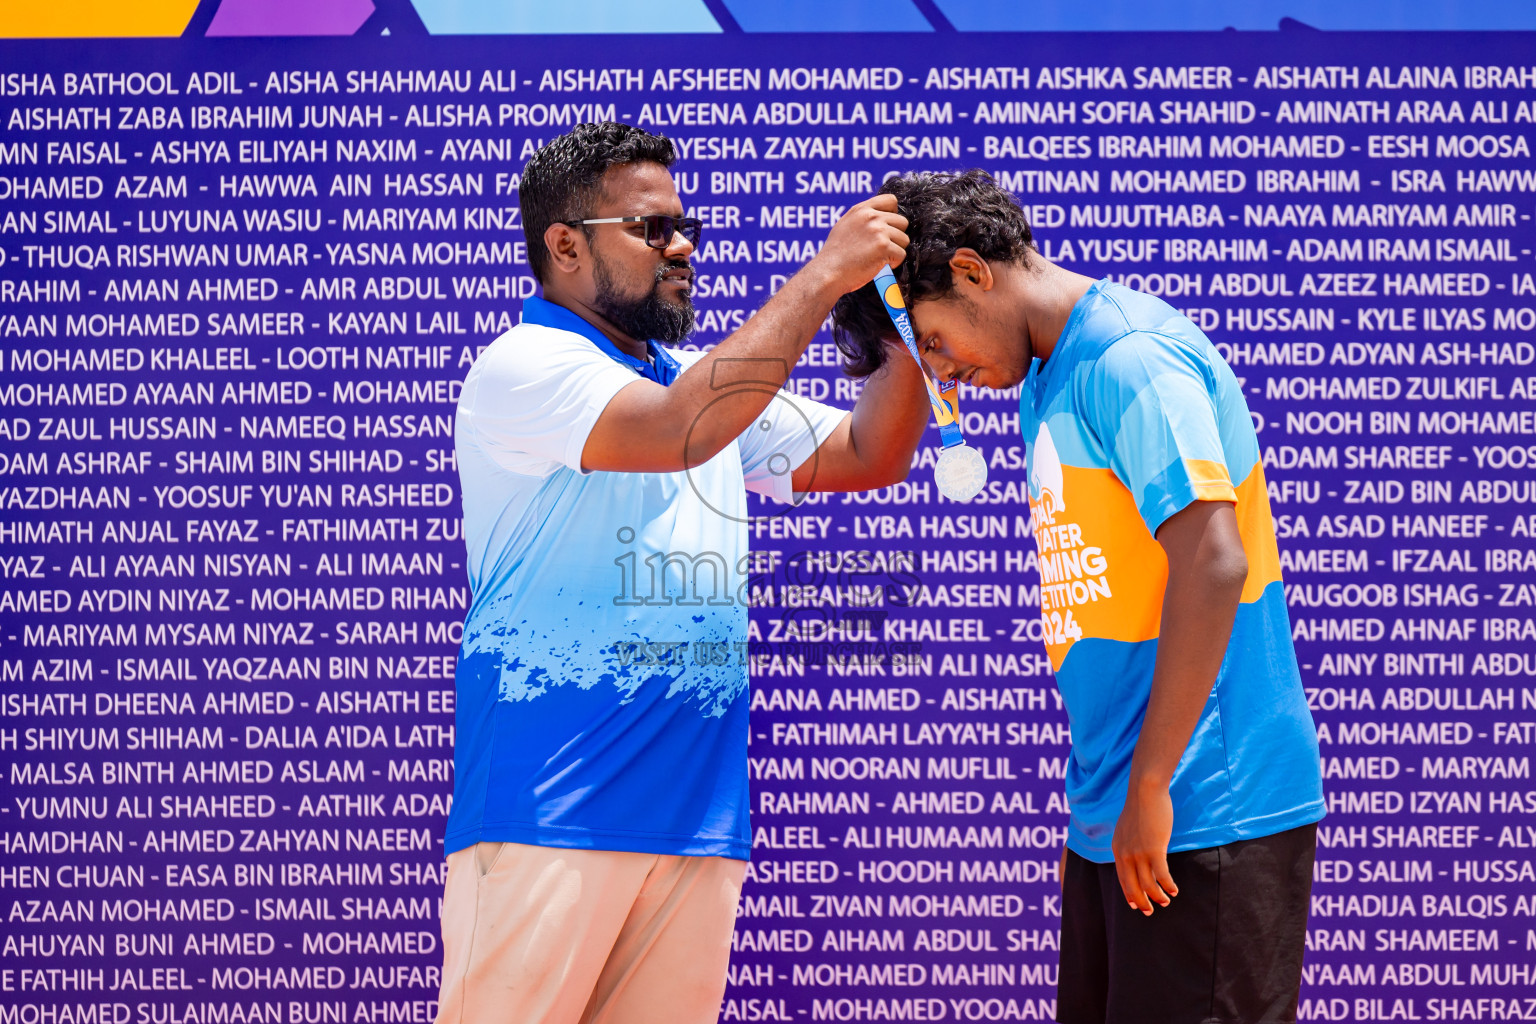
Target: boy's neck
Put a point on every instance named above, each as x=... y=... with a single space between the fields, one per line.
x=1047 y=295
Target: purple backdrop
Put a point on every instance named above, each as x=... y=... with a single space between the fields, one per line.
x=239 y=282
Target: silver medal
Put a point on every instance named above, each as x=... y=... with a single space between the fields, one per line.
x=960 y=472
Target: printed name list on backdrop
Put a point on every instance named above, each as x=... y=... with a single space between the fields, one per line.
x=242 y=281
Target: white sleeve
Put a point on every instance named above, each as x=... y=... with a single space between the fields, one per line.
x=532 y=397
x=781 y=439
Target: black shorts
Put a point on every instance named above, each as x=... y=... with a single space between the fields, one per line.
x=1227 y=950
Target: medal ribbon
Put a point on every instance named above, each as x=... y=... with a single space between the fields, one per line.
x=943 y=396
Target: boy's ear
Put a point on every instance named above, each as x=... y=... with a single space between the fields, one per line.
x=967 y=265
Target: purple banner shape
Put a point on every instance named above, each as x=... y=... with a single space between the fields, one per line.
x=290 y=17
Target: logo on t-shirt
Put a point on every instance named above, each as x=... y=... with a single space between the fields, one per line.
x=1045 y=475
x=1064 y=558
x=1093 y=549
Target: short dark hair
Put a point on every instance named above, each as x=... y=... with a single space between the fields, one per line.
x=562 y=179
x=945 y=212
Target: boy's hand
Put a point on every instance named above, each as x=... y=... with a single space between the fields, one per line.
x=1141 y=847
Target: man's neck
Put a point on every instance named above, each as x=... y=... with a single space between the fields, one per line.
x=621 y=341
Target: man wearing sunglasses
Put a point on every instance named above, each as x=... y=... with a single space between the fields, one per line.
x=599 y=828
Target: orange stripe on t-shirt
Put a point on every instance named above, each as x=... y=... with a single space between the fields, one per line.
x=1257 y=528
x=1209 y=480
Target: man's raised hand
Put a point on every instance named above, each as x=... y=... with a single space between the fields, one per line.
x=869 y=236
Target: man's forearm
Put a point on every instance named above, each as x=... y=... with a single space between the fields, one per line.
x=890 y=416
x=736 y=379
x=874 y=446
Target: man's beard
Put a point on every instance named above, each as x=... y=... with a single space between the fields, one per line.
x=649 y=317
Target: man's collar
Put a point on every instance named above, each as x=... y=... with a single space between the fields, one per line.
x=662 y=368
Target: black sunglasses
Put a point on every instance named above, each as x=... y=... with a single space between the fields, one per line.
x=659 y=227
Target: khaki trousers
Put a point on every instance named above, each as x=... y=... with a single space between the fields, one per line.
x=539 y=935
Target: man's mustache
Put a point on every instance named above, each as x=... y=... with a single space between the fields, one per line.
x=671 y=265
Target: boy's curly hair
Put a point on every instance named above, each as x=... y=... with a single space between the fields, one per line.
x=945 y=212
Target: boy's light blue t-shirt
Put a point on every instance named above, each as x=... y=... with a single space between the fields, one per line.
x=1132 y=418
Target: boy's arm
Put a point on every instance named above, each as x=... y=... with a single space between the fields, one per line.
x=1206 y=572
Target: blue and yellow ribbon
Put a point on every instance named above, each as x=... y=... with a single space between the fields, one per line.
x=943 y=396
